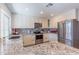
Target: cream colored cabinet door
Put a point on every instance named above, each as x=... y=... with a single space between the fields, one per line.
x=45 y=37
x=44 y=24
x=28 y=40
x=52 y=36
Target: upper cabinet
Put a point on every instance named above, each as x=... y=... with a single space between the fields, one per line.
x=45 y=23
x=21 y=21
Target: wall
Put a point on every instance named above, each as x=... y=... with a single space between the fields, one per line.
x=71 y=14
x=22 y=21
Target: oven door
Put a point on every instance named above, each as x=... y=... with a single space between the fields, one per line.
x=39 y=37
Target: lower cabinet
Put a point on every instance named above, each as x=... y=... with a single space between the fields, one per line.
x=45 y=37
x=52 y=37
x=28 y=40
x=31 y=39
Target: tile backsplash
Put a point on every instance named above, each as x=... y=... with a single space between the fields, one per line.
x=31 y=30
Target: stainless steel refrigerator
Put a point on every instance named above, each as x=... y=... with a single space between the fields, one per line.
x=70 y=33
x=61 y=32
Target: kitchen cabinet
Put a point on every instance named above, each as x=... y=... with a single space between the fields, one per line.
x=28 y=40
x=45 y=39
x=44 y=24
x=52 y=37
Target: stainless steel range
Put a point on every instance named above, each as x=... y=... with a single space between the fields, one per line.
x=38 y=38
x=38 y=33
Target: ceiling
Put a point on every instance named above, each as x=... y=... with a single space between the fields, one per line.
x=40 y=9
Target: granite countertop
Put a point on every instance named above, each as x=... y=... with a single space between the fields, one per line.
x=34 y=33
x=37 y=34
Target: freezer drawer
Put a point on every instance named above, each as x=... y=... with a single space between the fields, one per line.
x=68 y=42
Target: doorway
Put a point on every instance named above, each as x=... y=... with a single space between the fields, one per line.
x=4 y=26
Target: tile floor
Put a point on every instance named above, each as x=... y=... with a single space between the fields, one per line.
x=15 y=47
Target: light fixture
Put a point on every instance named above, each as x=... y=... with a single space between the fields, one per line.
x=41 y=12
x=49 y=5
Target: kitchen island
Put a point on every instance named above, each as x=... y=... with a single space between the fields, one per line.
x=30 y=39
